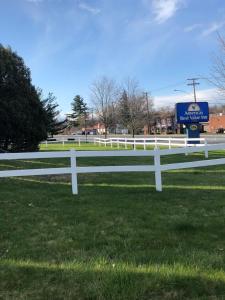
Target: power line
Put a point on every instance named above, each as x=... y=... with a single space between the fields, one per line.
x=211 y=101
x=168 y=86
x=148 y=112
x=216 y=103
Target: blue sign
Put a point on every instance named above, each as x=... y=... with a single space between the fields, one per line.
x=192 y=112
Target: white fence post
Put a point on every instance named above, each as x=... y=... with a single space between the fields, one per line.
x=206 y=150
x=63 y=142
x=155 y=142
x=144 y=144
x=79 y=141
x=46 y=144
x=111 y=142
x=105 y=142
x=118 y=145
x=125 y=143
x=134 y=144
x=73 y=162
x=158 y=175
x=169 y=143
x=186 y=146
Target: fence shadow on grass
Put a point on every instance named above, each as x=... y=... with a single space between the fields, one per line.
x=195 y=179
x=43 y=280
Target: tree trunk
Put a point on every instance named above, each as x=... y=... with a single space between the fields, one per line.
x=105 y=132
x=6 y=145
x=85 y=129
x=133 y=136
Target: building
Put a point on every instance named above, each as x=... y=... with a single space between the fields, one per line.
x=97 y=128
x=216 y=123
x=162 y=125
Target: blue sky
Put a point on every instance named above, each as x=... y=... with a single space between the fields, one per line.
x=68 y=44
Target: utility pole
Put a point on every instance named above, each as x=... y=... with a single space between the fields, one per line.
x=194 y=83
x=113 y=117
x=148 y=112
x=85 y=126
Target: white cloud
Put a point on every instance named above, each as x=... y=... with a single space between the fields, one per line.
x=89 y=8
x=192 y=27
x=209 y=95
x=165 y=9
x=213 y=28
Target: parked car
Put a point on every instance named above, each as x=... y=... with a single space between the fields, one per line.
x=220 y=130
x=169 y=130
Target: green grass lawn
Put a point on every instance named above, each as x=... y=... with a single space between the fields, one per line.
x=89 y=146
x=119 y=238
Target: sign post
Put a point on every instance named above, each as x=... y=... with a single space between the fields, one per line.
x=193 y=132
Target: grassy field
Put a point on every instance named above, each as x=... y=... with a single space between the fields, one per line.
x=119 y=238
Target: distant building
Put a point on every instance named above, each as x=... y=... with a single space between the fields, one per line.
x=95 y=129
x=162 y=125
x=216 y=123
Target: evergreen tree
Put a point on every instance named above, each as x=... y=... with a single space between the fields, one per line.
x=54 y=124
x=79 y=111
x=124 y=110
x=79 y=107
x=22 y=115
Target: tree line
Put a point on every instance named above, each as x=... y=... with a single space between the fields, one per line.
x=124 y=105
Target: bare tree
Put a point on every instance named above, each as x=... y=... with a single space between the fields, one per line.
x=149 y=112
x=218 y=69
x=132 y=107
x=104 y=94
x=216 y=109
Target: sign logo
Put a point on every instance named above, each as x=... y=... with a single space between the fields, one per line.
x=194 y=127
x=194 y=107
x=188 y=113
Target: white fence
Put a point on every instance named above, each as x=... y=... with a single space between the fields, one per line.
x=122 y=142
x=157 y=167
x=73 y=140
x=152 y=141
